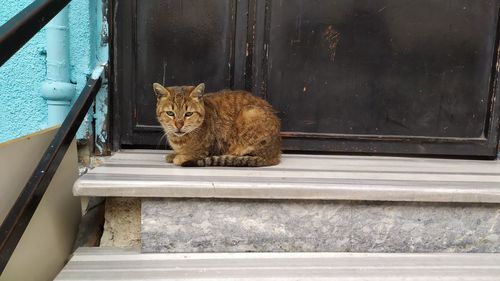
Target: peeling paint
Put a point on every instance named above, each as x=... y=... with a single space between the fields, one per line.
x=381 y=9
x=298 y=27
x=101 y=124
x=164 y=72
x=101 y=121
x=332 y=38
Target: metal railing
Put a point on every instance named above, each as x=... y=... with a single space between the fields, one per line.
x=13 y=35
x=23 y=26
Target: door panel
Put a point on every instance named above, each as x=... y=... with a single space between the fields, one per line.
x=178 y=45
x=368 y=76
x=409 y=68
x=175 y=43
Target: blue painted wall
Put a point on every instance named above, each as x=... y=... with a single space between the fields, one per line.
x=21 y=106
x=22 y=109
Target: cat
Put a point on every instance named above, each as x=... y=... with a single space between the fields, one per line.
x=226 y=128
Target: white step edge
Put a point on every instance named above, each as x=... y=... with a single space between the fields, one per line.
x=117 y=264
x=143 y=173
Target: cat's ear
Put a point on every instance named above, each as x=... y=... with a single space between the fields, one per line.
x=160 y=91
x=198 y=91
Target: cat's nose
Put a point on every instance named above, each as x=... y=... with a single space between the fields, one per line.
x=179 y=123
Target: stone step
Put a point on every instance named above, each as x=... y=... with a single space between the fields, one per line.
x=93 y=264
x=235 y=225
x=307 y=203
x=143 y=173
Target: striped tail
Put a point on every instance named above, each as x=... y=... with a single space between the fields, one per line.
x=228 y=160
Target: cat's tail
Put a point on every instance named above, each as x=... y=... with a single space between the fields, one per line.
x=231 y=160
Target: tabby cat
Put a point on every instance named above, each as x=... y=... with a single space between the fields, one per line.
x=226 y=128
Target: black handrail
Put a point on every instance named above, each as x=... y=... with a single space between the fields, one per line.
x=13 y=35
x=20 y=214
x=23 y=26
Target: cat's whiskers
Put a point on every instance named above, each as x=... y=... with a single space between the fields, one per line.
x=161 y=139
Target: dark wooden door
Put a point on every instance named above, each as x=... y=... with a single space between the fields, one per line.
x=172 y=42
x=368 y=76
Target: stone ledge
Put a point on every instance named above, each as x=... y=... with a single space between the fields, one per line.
x=143 y=173
x=113 y=264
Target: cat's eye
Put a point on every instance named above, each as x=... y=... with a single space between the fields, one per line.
x=170 y=113
x=189 y=113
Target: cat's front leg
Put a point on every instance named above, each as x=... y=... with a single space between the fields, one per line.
x=170 y=157
x=179 y=159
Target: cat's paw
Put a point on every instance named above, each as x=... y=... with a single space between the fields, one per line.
x=181 y=159
x=169 y=158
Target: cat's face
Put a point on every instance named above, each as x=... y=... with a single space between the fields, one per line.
x=179 y=110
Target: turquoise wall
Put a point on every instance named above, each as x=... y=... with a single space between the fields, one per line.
x=21 y=106
x=22 y=109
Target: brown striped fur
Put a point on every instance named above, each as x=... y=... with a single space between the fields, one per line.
x=226 y=128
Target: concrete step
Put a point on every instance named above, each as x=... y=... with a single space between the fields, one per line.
x=144 y=173
x=117 y=264
x=235 y=225
x=307 y=203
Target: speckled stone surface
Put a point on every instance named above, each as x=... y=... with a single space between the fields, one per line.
x=210 y=225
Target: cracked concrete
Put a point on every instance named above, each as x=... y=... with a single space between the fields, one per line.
x=122 y=225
